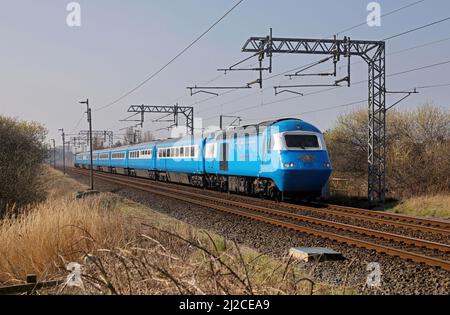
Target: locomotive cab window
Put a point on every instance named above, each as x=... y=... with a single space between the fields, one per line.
x=302 y=141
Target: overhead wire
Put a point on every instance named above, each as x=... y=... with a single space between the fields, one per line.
x=150 y=77
x=386 y=39
x=382 y=16
x=333 y=88
x=345 y=30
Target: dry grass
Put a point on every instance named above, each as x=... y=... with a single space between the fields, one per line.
x=37 y=240
x=427 y=206
x=125 y=248
x=162 y=262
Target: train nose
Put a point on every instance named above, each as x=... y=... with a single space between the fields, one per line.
x=305 y=161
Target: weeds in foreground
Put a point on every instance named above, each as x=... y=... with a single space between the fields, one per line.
x=163 y=262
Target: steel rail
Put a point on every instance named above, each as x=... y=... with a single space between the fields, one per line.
x=355 y=213
x=297 y=217
x=393 y=216
x=372 y=216
x=432 y=261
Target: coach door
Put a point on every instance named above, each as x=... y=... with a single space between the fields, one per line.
x=224 y=156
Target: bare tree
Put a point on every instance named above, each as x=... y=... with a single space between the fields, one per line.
x=130 y=136
x=418 y=147
x=97 y=142
x=147 y=136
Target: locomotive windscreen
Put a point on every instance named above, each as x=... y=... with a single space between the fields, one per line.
x=302 y=141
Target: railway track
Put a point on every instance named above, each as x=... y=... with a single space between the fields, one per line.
x=424 y=225
x=410 y=248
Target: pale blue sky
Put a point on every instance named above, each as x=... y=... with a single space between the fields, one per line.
x=47 y=67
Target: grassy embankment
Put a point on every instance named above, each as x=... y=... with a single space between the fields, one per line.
x=428 y=206
x=432 y=206
x=126 y=248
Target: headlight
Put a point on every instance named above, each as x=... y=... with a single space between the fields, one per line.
x=327 y=165
x=288 y=165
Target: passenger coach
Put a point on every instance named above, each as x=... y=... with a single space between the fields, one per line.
x=274 y=159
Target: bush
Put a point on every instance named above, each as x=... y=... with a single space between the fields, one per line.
x=22 y=153
x=418 y=150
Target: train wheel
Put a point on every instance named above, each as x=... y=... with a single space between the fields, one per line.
x=274 y=194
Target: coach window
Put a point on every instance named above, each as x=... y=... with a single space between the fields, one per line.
x=235 y=145
x=181 y=152
x=210 y=150
x=247 y=147
x=192 y=151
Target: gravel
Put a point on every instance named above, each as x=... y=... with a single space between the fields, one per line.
x=397 y=276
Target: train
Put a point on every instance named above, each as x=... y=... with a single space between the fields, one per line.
x=278 y=159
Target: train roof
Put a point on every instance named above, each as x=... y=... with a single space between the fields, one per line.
x=273 y=122
x=267 y=123
x=210 y=134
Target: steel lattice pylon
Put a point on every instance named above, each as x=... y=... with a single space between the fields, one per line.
x=377 y=125
x=373 y=52
x=187 y=111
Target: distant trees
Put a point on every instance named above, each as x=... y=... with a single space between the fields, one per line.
x=133 y=136
x=418 y=150
x=147 y=136
x=98 y=142
x=22 y=152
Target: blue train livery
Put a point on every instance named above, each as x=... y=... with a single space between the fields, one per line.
x=286 y=157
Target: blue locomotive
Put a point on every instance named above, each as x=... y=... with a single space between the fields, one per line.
x=275 y=159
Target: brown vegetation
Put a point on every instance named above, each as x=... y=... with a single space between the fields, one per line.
x=418 y=150
x=437 y=206
x=125 y=248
